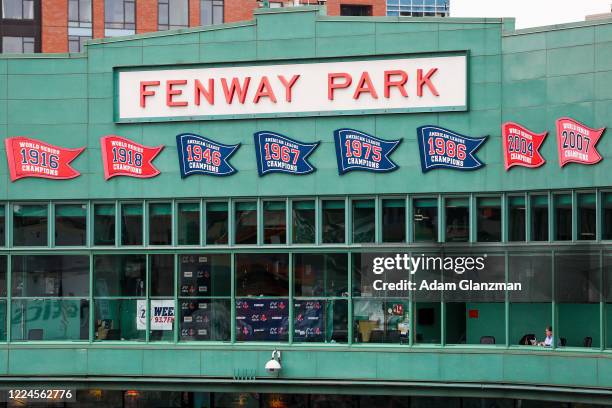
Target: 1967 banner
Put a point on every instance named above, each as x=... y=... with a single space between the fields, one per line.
x=278 y=153
x=123 y=157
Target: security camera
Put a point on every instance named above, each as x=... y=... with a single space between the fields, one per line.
x=273 y=366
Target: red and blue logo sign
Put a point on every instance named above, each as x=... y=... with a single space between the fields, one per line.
x=199 y=155
x=521 y=146
x=277 y=153
x=576 y=142
x=443 y=148
x=357 y=150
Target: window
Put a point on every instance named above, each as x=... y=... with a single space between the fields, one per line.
x=317 y=275
x=489 y=219
x=303 y=227
x=333 y=221
x=172 y=14
x=104 y=224
x=539 y=218
x=161 y=304
x=516 y=218
x=355 y=10
x=364 y=221
x=30 y=225
x=131 y=224
x=216 y=223
x=70 y=224
x=76 y=43
x=79 y=13
x=275 y=222
x=2 y=225
x=188 y=223
x=119 y=14
x=211 y=12
x=3 y=294
x=457 y=220
x=18 y=9
x=160 y=224
x=606 y=204
x=563 y=217
x=425 y=219
x=246 y=222
x=394 y=220
x=17 y=45
x=587 y=218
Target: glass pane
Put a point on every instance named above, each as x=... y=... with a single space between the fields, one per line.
x=71 y=225
x=333 y=221
x=516 y=219
x=246 y=223
x=262 y=319
x=120 y=319
x=30 y=225
x=606 y=203
x=119 y=275
x=104 y=224
x=428 y=318
x=28 y=9
x=12 y=9
x=320 y=320
x=489 y=219
x=113 y=11
x=394 y=220
x=12 y=45
x=188 y=223
x=50 y=275
x=320 y=275
x=425 y=220
x=205 y=319
x=457 y=220
x=262 y=274
x=179 y=13
x=381 y=321
x=162 y=312
x=563 y=217
x=162 y=274
x=206 y=12
x=50 y=319
x=3 y=320
x=303 y=214
x=204 y=275
x=85 y=11
x=364 y=221
x=534 y=272
x=216 y=223
x=539 y=218
x=587 y=218
x=275 y=222
x=131 y=224
x=160 y=224
x=3 y=281
x=2 y=225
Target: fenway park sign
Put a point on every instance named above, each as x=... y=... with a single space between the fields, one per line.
x=382 y=85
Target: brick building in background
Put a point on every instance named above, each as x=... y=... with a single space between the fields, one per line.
x=28 y=26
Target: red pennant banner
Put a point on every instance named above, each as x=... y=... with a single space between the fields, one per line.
x=521 y=146
x=576 y=142
x=123 y=157
x=33 y=158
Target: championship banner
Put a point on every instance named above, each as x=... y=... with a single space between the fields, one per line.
x=443 y=148
x=33 y=158
x=277 y=153
x=122 y=157
x=199 y=155
x=521 y=146
x=576 y=142
x=356 y=150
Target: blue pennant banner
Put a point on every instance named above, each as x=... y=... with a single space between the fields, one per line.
x=443 y=148
x=356 y=150
x=280 y=154
x=199 y=155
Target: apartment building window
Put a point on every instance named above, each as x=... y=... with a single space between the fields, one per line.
x=79 y=13
x=211 y=12
x=355 y=10
x=172 y=17
x=18 y=9
x=18 y=45
x=76 y=42
x=120 y=14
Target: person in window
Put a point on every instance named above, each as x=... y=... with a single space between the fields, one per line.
x=549 y=339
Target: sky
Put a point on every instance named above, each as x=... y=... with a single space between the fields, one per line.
x=530 y=13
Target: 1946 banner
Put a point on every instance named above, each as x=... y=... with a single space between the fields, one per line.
x=357 y=150
x=277 y=153
x=521 y=146
x=443 y=148
x=123 y=157
x=199 y=155
x=576 y=142
x=32 y=158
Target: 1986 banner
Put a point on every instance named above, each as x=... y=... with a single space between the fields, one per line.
x=443 y=148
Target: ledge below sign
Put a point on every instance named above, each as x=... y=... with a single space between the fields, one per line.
x=370 y=85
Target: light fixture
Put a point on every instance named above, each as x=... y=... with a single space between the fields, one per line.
x=273 y=366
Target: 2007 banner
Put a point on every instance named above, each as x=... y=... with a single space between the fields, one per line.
x=357 y=150
x=32 y=158
x=576 y=142
x=123 y=157
x=199 y=155
x=278 y=153
x=443 y=148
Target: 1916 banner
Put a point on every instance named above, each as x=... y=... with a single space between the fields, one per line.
x=357 y=150
x=199 y=155
x=277 y=153
x=32 y=158
x=521 y=146
x=443 y=148
x=123 y=157
x=576 y=142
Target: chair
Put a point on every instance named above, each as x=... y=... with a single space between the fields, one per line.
x=563 y=341
x=526 y=339
x=487 y=340
x=35 y=334
x=377 y=336
x=588 y=341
